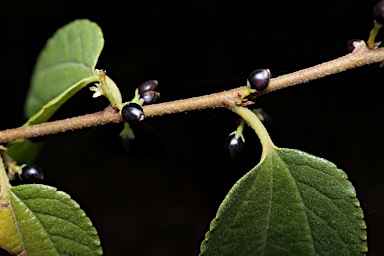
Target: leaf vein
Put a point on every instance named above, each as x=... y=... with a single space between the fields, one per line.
x=332 y=201
x=58 y=201
x=37 y=219
x=63 y=237
x=269 y=206
x=301 y=197
x=339 y=181
x=60 y=65
x=66 y=220
x=315 y=214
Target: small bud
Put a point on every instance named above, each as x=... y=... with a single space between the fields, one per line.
x=354 y=43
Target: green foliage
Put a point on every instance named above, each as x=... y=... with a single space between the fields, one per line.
x=49 y=222
x=53 y=105
x=64 y=66
x=9 y=236
x=24 y=151
x=291 y=203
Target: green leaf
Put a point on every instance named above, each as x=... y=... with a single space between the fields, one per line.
x=24 y=151
x=49 y=222
x=68 y=58
x=52 y=106
x=9 y=237
x=64 y=67
x=291 y=203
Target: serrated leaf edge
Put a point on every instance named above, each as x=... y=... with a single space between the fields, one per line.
x=72 y=203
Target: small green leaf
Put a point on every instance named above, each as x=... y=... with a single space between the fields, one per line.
x=49 y=222
x=68 y=58
x=291 y=203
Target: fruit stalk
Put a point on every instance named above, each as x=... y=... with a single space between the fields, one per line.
x=255 y=123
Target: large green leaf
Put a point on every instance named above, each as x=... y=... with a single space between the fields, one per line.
x=291 y=203
x=64 y=66
x=68 y=58
x=48 y=222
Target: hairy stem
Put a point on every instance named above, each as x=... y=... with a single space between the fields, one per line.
x=361 y=56
x=255 y=123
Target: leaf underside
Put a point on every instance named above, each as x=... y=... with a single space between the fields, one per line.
x=49 y=222
x=24 y=152
x=69 y=56
x=292 y=203
x=63 y=68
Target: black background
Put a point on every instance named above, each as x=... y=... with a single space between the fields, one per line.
x=159 y=198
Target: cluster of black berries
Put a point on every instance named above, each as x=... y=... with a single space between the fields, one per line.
x=148 y=93
x=133 y=113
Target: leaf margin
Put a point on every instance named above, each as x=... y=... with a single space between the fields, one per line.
x=233 y=194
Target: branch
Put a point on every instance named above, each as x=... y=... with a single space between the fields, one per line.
x=361 y=56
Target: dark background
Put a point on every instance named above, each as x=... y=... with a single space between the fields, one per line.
x=159 y=198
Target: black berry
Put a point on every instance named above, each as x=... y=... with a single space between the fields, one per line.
x=132 y=113
x=150 y=97
x=378 y=12
x=259 y=79
x=31 y=173
x=234 y=145
x=353 y=43
x=149 y=85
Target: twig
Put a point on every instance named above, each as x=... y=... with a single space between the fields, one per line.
x=361 y=56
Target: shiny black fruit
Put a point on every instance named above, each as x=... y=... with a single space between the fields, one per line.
x=31 y=173
x=259 y=79
x=150 y=97
x=149 y=85
x=233 y=145
x=132 y=113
